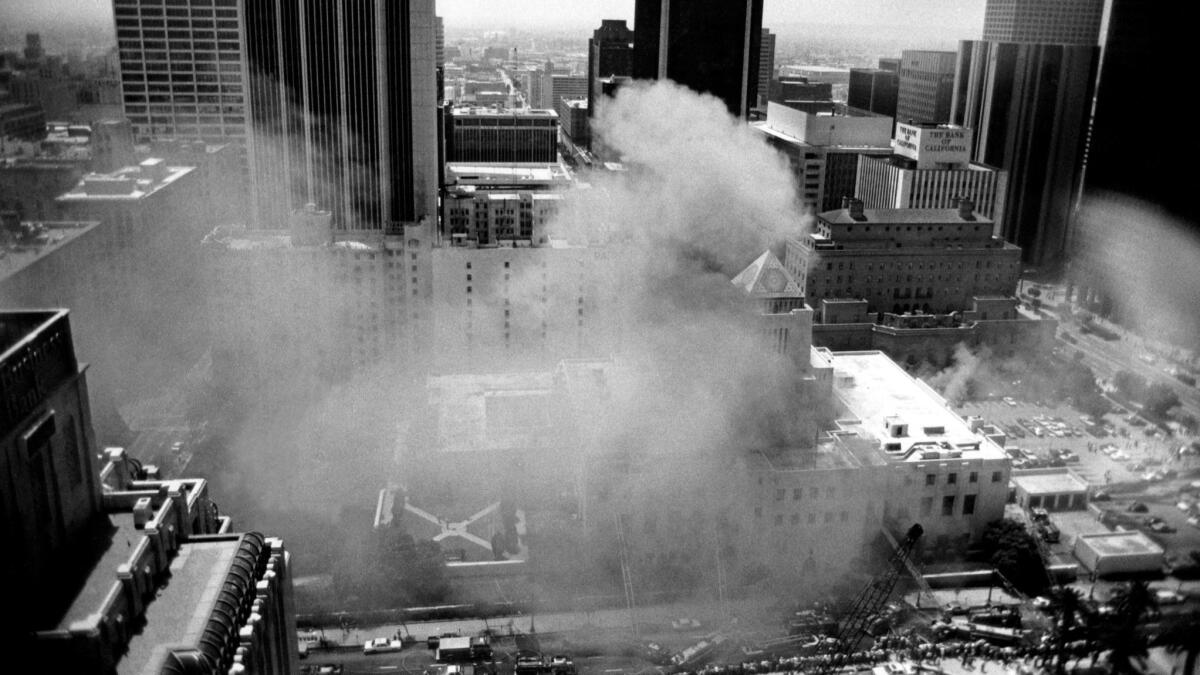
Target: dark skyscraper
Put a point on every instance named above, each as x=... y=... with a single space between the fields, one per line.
x=610 y=53
x=766 y=66
x=1028 y=105
x=1026 y=90
x=1128 y=178
x=711 y=46
x=873 y=89
x=342 y=109
x=1138 y=55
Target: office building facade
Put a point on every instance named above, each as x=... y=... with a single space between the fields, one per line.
x=926 y=87
x=711 y=46
x=1066 y=22
x=823 y=149
x=899 y=260
x=511 y=136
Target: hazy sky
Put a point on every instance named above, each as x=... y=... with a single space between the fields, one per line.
x=955 y=18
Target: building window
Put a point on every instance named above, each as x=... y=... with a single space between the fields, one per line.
x=758 y=512
x=844 y=516
x=779 y=495
x=812 y=518
x=829 y=516
x=996 y=475
x=930 y=478
x=796 y=494
x=973 y=477
x=968 y=505
x=951 y=479
x=948 y=505
x=779 y=519
x=795 y=518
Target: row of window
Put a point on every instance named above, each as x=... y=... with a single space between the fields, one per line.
x=949 y=503
x=810 y=518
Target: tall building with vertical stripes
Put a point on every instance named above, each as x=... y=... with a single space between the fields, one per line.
x=343 y=109
x=334 y=102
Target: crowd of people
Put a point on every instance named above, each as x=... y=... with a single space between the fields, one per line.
x=912 y=649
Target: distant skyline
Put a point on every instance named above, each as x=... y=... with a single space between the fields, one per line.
x=923 y=20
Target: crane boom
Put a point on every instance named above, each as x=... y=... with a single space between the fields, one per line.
x=874 y=595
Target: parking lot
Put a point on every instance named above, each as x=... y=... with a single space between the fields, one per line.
x=1115 y=460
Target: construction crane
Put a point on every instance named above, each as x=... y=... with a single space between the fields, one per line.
x=872 y=598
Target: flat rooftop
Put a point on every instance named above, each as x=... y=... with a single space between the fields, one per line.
x=1121 y=543
x=824 y=457
x=179 y=613
x=789 y=138
x=902 y=216
x=877 y=393
x=1058 y=482
x=143 y=186
x=463 y=174
x=54 y=236
x=491 y=411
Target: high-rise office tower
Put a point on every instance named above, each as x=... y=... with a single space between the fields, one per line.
x=873 y=89
x=440 y=55
x=33 y=47
x=711 y=46
x=1028 y=104
x=766 y=66
x=343 y=110
x=1068 y=22
x=333 y=102
x=926 y=86
x=186 y=82
x=610 y=54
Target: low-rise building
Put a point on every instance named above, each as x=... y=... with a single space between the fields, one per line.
x=477 y=135
x=490 y=204
x=940 y=471
x=1050 y=489
x=1117 y=553
x=22 y=120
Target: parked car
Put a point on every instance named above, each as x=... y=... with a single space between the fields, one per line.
x=1049 y=532
x=685 y=623
x=382 y=646
x=1160 y=526
x=1169 y=596
x=1119 y=456
x=1136 y=466
x=1039 y=515
x=1008 y=400
x=1101 y=496
x=1137 y=507
x=1068 y=456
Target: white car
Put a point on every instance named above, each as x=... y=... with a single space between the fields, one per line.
x=685 y=623
x=382 y=646
x=1167 y=596
x=1010 y=401
x=1120 y=456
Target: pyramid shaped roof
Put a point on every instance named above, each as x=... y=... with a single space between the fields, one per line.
x=767 y=277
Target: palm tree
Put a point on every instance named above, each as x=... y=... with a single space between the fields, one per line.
x=1126 y=642
x=1180 y=637
x=1068 y=607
